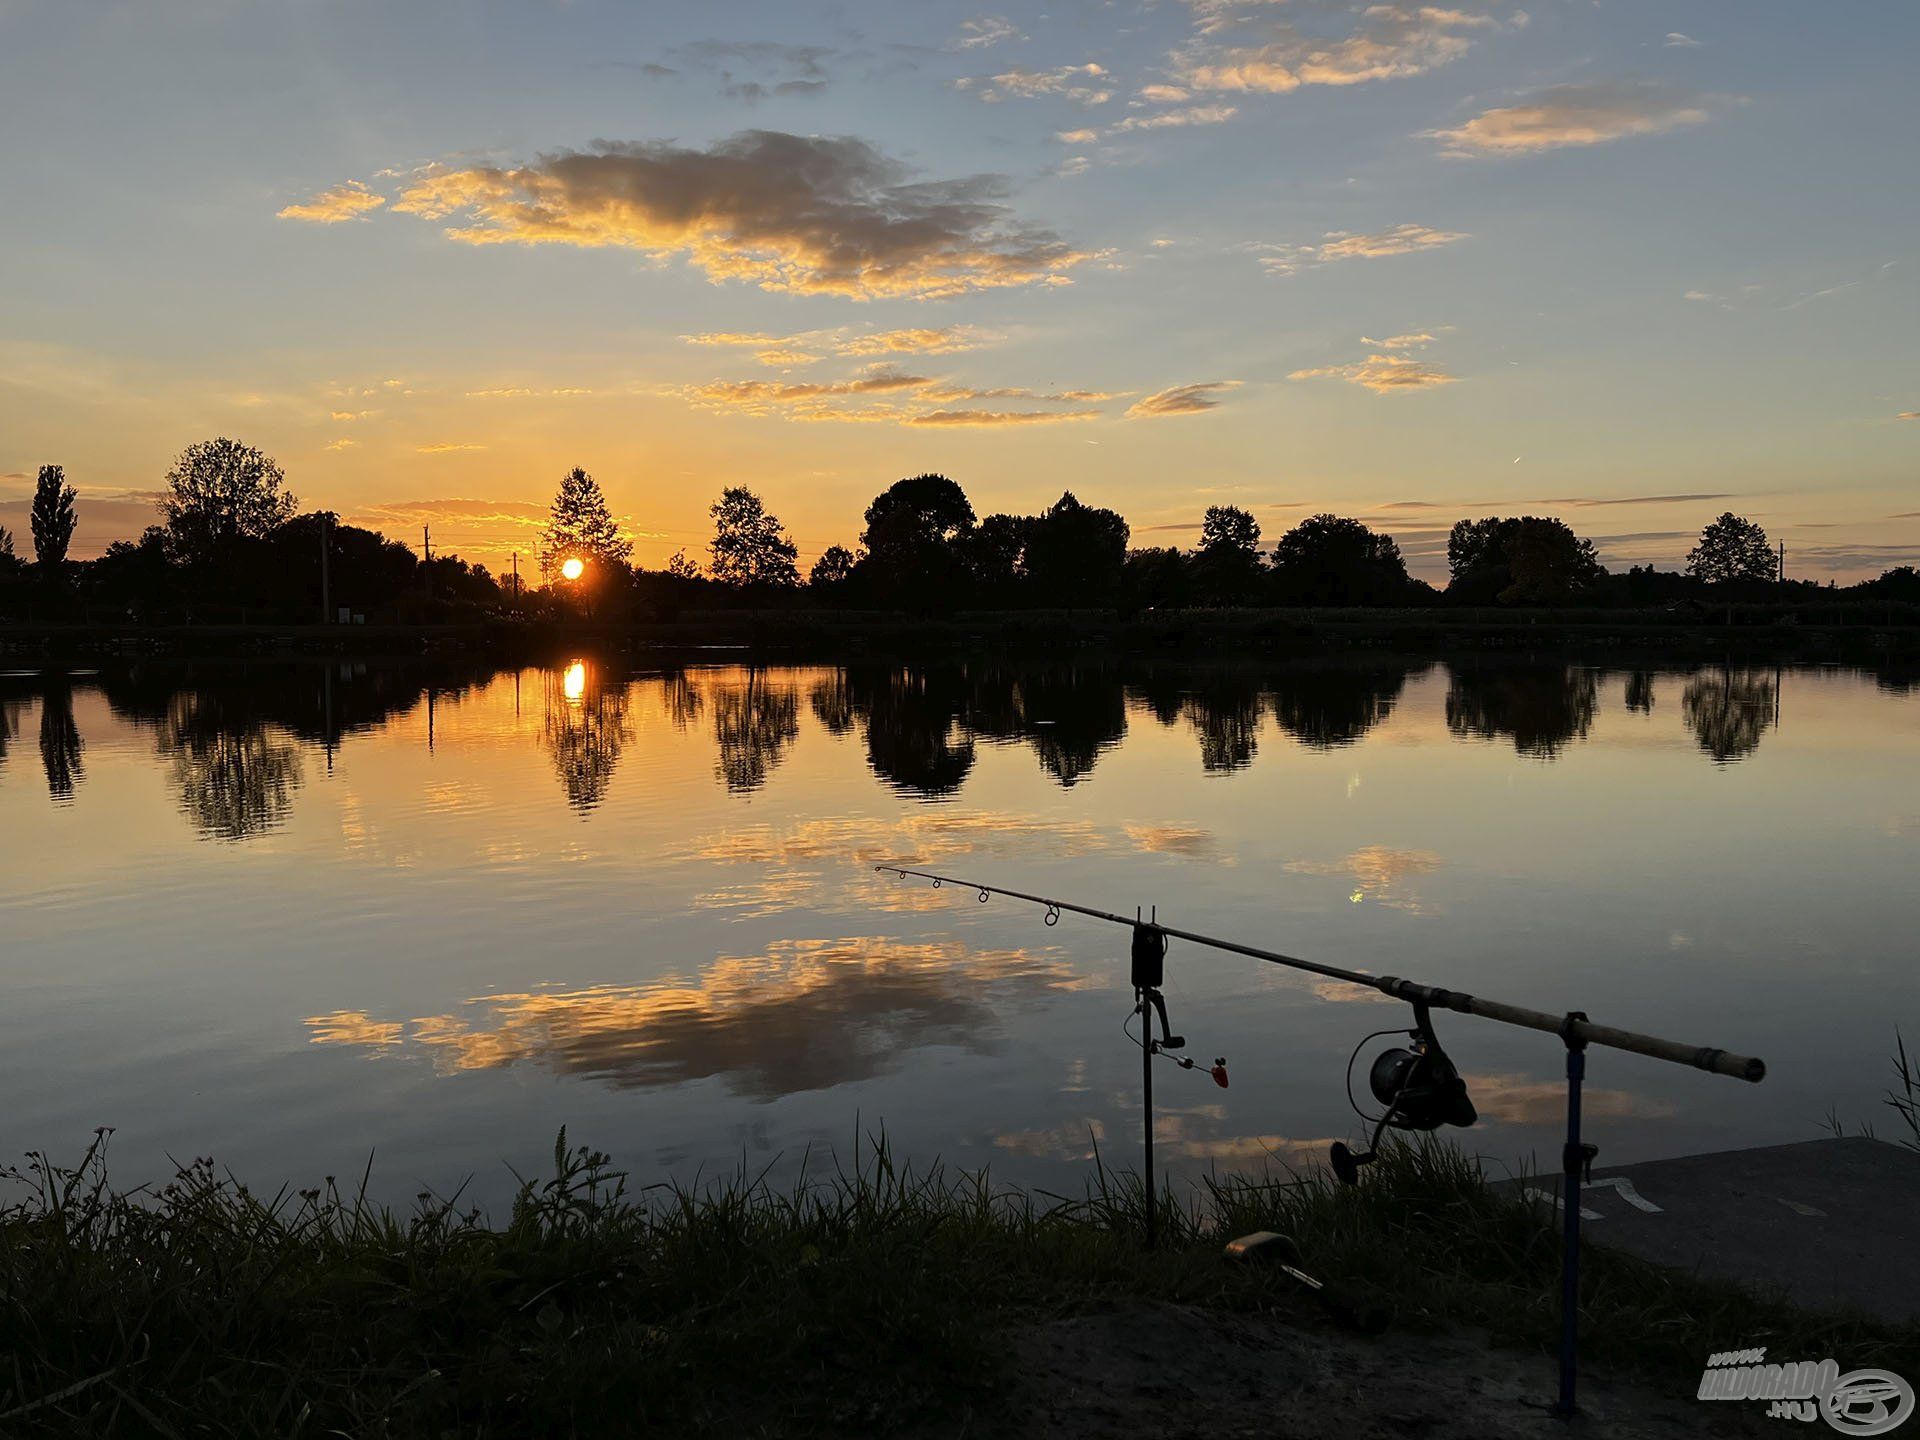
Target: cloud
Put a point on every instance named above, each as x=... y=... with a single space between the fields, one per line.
x=1076 y=137
x=350 y=201
x=920 y=340
x=998 y=417
x=1908 y=415
x=1382 y=374
x=1337 y=245
x=1087 y=84
x=1566 y=115
x=1181 y=400
x=763 y=396
x=790 y=213
x=447 y=447
x=1400 y=342
x=1585 y=503
x=1676 y=41
x=1171 y=119
x=986 y=31
x=1165 y=94
x=1389 y=41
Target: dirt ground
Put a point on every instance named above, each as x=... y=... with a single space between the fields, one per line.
x=1170 y=1372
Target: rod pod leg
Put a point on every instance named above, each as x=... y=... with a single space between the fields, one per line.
x=1145 y=1003
x=1576 y=1159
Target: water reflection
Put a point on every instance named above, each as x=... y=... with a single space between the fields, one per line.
x=1327 y=709
x=753 y=724
x=1639 y=692
x=1729 y=710
x=1540 y=707
x=235 y=777
x=916 y=740
x=1070 y=715
x=585 y=729
x=805 y=1015
x=60 y=743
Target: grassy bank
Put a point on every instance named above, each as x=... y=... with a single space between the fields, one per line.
x=867 y=1300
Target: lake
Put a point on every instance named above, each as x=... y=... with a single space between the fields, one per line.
x=287 y=914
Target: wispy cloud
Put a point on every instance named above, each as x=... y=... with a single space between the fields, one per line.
x=1569 y=115
x=998 y=417
x=1388 y=41
x=811 y=345
x=1337 y=245
x=985 y=31
x=448 y=447
x=1187 y=115
x=1087 y=84
x=789 y=213
x=1676 y=41
x=1382 y=374
x=349 y=201
x=1195 y=399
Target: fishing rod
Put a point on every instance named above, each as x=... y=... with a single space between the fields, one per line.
x=1418 y=1084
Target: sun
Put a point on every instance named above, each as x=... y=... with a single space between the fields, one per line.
x=573 y=568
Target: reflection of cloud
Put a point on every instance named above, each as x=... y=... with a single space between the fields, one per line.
x=1378 y=872
x=1195 y=1134
x=1571 y=115
x=1075 y=1141
x=791 y=213
x=1520 y=1100
x=1184 y=840
x=353 y=1027
x=806 y=1015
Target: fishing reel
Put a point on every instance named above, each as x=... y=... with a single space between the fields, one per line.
x=1416 y=1082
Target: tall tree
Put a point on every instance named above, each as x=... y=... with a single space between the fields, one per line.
x=1519 y=560
x=53 y=518
x=1732 y=548
x=220 y=492
x=1075 y=552
x=913 y=537
x=832 y=568
x=10 y=563
x=1335 y=560
x=580 y=527
x=1227 y=565
x=749 y=546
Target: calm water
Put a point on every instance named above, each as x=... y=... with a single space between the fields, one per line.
x=285 y=914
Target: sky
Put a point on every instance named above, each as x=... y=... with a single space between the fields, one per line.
x=1631 y=264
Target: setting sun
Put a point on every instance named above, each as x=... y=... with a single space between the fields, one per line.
x=574 y=568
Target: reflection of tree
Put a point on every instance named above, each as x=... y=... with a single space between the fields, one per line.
x=60 y=742
x=1225 y=713
x=1327 y=708
x=585 y=732
x=1541 y=707
x=1069 y=716
x=1640 y=691
x=235 y=777
x=679 y=701
x=916 y=741
x=753 y=723
x=833 y=703
x=807 y=1015
x=1728 y=711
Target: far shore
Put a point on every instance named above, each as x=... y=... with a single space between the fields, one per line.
x=1848 y=631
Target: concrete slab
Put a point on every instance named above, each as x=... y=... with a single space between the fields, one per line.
x=1833 y=1223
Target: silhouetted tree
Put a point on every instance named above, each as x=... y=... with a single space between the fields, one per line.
x=580 y=525
x=1540 y=707
x=1155 y=577
x=911 y=539
x=681 y=568
x=1728 y=711
x=749 y=547
x=1075 y=553
x=1519 y=560
x=60 y=742
x=831 y=570
x=10 y=562
x=1732 y=548
x=220 y=492
x=53 y=520
x=995 y=552
x=1335 y=560
x=1227 y=565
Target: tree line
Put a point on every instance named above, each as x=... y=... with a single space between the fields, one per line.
x=230 y=542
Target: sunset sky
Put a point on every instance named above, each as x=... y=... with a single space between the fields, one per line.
x=1628 y=263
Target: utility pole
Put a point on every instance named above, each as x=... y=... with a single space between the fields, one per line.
x=516 y=575
x=1780 y=569
x=326 y=588
x=426 y=549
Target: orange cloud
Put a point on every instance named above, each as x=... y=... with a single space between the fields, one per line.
x=1382 y=374
x=1181 y=400
x=350 y=201
x=1568 y=115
